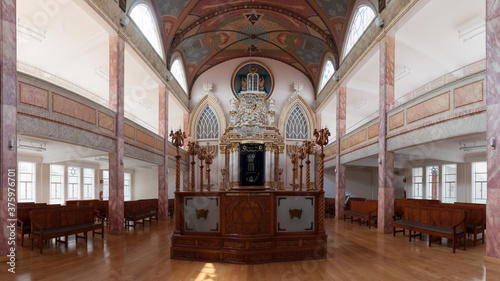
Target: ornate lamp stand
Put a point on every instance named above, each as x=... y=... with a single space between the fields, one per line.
x=193 y=149
x=292 y=153
x=321 y=140
x=210 y=151
x=178 y=141
x=223 y=185
x=308 y=148
x=202 y=154
x=301 y=155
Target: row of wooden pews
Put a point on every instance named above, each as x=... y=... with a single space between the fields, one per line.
x=451 y=221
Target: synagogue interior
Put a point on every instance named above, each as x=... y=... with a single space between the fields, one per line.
x=250 y=140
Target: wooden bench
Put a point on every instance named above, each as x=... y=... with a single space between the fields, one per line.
x=434 y=221
x=24 y=220
x=80 y=203
x=138 y=212
x=329 y=207
x=101 y=209
x=171 y=207
x=48 y=223
x=476 y=219
x=363 y=210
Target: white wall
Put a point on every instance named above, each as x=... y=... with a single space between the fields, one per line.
x=145 y=184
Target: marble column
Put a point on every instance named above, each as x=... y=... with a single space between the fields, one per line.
x=163 y=169
x=493 y=128
x=340 y=175
x=386 y=158
x=8 y=131
x=116 y=103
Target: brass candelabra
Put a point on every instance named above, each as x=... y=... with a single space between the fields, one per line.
x=202 y=154
x=193 y=149
x=292 y=153
x=178 y=141
x=210 y=151
x=308 y=148
x=301 y=154
x=322 y=140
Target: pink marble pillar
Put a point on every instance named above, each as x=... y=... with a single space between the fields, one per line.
x=386 y=158
x=116 y=102
x=493 y=128
x=163 y=169
x=8 y=131
x=340 y=175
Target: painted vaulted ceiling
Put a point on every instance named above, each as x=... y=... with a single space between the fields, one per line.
x=296 y=32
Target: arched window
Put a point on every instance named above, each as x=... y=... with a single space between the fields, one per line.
x=208 y=125
x=327 y=73
x=364 y=16
x=297 y=127
x=177 y=71
x=143 y=17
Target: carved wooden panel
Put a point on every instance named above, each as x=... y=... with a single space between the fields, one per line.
x=248 y=214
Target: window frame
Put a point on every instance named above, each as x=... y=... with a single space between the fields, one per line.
x=322 y=82
x=445 y=182
x=105 y=185
x=55 y=200
x=217 y=134
x=307 y=131
x=361 y=4
x=32 y=182
x=86 y=190
x=127 y=189
x=484 y=183
x=74 y=189
x=428 y=182
x=420 y=194
x=161 y=50
x=183 y=77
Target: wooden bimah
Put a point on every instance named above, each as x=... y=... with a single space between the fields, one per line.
x=249 y=225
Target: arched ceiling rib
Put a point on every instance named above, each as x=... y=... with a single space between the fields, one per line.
x=296 y=32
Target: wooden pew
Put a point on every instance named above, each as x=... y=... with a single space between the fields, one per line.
x=330 y=207
x=171 y=207
x=363 y=210
x=476 y=219
x=434 y=221
x=101 y=209
x=48 y=223
x=138 y=212
x=24 y=220
x=80 y=203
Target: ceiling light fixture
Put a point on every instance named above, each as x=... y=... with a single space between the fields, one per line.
x=402 y=73
x=103 y=74
x=30 y=31
x=472 y=32
x=467 y=147
x=32 y=145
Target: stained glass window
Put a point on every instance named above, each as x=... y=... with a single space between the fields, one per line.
x=178 y=72
x=297 y=126
x=143 y=17
x=432 y=184
x=362 y=19
x=327 y=73
x=208 y=125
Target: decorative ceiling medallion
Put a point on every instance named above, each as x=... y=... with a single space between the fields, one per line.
x=253 y=17
x=253 y=48
x=239 y=81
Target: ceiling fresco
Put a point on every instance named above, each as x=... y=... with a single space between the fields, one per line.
x=296 y=32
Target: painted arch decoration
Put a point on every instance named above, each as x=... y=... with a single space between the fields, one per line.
x=296 y=32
